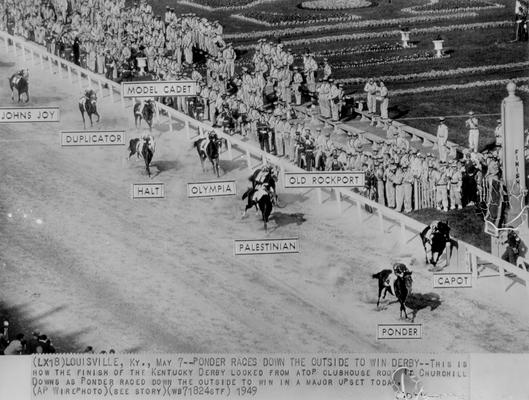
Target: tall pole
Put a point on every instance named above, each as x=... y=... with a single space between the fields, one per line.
x=513 y=158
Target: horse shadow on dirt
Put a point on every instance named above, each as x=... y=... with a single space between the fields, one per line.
x=414 y=302
x=232 y=165
x=420 y=301
x=283 y=219
x=164 y=165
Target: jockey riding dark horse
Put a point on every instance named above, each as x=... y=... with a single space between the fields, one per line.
x=19 y=81
x=145 y=111
x=265 y=176
x=397 y=282
x=145 y=147
x=259 y=196
x=436 y=236
x=88 y=104
x=209 y=148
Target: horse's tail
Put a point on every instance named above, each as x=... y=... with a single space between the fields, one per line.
x=376 y=276
x=453 y=244
x=246 y=194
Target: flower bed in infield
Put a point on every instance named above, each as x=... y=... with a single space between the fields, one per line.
x=334 y=4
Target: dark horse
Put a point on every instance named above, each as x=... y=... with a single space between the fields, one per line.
x=145 y=148
x=265 y=176
x=210 y=149
x=88 y=105
x=147 y=114
x=20 y=83
x=402 y=286
x=264 y=202
x=437 y=235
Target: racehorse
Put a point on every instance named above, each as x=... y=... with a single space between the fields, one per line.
x=402 y=285
x=147 y=114
x=437 y=240
x=264 y=202
x=20 y=83
x=145 y=148
x=88 y=105
x=267 y=178
x=209 y=148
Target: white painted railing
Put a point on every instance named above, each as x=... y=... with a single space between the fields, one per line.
x=468 y=258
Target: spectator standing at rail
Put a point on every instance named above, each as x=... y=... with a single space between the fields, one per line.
x=16 y=346
x=442 y=138
x=371 y=90
x=473 y=132
x=383 y=97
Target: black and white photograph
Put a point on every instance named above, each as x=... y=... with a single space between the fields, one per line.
x=277 y=199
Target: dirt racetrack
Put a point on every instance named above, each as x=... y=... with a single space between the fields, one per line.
x=84 y=260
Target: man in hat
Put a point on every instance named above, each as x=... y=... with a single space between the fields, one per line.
x=383 y=98
x=498 y=134
x=324 y=147
x=371 y=90
x=440 y=180
x=455 y=176
x=263 y=133
x=473 y=132
x=323 y=99
x=334 y=164
x=390 y=188
x=229 y=56
x=442 y=138
x=327 y=71
x=398 y=179
x=297 y=80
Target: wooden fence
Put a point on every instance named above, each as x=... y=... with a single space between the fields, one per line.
x=467 y=259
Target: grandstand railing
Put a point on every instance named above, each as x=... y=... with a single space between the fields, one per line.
x=467 y=259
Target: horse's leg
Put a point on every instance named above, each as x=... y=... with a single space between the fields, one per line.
x=380 y=288
x=27 y=96
x=84 y=121
x=98 y=117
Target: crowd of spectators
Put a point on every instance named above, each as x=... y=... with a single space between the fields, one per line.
x=255 y=100
x=37 y=343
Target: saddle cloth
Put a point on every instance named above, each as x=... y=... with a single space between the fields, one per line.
x=204 y=146
x=260 y=192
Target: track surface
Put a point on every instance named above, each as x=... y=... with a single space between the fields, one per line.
x=88 y=262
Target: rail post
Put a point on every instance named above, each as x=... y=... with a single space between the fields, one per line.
x=80 y=79
x=188 y=129
x=359 y=211
x=32 y=57
x=6 y=42
x=474 y=266
x=69 y=72
x=170 y=122
x=111 y=92
x=100 y=86
x=50 y=63
x=501 y=270
x=380 y=220
x=402 y=234
x=122 y=99
x=319 y=194
x=230 y=153
x=249 y=159
x=338 y=195
x=23 y=52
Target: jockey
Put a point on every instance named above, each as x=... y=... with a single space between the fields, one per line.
x=18 y=75
x=398 y=272
x=212 y=135
x=434 y=228
x=260 y=191
x=142 y=105
x=146 y=137
x=399 y=269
